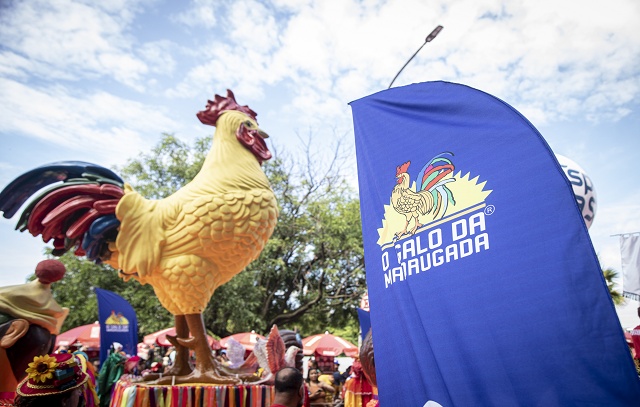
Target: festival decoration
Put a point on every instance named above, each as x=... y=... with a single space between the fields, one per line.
x=246 y=339
x=327 y=344
x=119 y=323
x=481 y=293
x=185 y=245
x=160 y=338
x=87 y=336
x=51 y=375
x=41 y=368
x=630 y=261
x=582 y=188
x=127 y=393
x=30 y=319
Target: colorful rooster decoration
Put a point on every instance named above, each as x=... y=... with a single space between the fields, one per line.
x=270 y=354
x=432 y=196
x=185 y=245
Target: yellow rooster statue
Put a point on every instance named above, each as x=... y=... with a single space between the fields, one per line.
x=185 y=245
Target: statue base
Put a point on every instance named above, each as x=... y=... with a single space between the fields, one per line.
x=139 y=394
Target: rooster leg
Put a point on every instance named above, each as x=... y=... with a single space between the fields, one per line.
x=181 y=365
x=206 y=370
x=417 y=225
x=404 y=231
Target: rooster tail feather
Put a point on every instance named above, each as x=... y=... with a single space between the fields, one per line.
x=290 y=356
x=77 y=211
x=436 y=169
x=96 y=240
x=275 y=350
x=14 y=195
x=442 y=196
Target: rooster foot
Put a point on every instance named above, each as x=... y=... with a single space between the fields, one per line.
x=197 y=376
x=175 y=370
x=398 y=235
x=179 y=368
x=413 y=231
x=187 y=343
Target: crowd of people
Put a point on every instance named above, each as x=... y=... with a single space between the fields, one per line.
x=349 y=388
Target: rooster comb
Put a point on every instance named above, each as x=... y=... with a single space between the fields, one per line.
x=221 y=104
x=402 y=168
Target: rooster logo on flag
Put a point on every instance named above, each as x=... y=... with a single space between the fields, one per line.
x=432 y=196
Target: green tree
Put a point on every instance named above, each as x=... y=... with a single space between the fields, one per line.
x=75 y=291
x=309 y=276
x=609 y=275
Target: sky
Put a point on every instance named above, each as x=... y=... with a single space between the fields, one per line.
x=101 y=81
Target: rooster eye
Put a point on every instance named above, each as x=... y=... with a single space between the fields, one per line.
x=248 y=124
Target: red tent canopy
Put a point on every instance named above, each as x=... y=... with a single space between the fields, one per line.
x=87 y=335
x=247 y=339
x=160 y=338
x=328 y=345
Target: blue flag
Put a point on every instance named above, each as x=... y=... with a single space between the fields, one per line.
x=118 y=323
x=365 y=322
x=483 y=284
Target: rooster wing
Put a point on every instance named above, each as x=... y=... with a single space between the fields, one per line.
x=410 y=204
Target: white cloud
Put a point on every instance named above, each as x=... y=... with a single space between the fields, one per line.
x=99 y=121
x=547 y=59
x=200 y=13
x=70 y=40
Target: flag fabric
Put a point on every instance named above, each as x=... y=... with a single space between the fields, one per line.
x=483 y=284
x=118 y=323
x=630 y=252
x=365 y=322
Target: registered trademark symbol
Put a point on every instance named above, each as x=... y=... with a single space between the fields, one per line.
x=489 y=210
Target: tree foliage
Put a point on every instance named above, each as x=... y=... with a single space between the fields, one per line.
x=609 y=275
x=75 y=291
x=310 y=275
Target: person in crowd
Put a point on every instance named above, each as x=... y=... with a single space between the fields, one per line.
x=327 y=378
x=110 y=372
x=30 y=319
x=152 y=356
x=320 y=394
x=292 y=338
x=312 y=364
x=56 y=380
x=289 y=388
x=357 y=389
x=132 y=366
x=339 y=380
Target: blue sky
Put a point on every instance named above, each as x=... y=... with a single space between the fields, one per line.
x=100 y=81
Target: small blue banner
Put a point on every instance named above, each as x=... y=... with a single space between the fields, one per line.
x=118 y=323
x=484 y=287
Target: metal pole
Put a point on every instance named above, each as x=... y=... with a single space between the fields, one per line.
x=429 y=38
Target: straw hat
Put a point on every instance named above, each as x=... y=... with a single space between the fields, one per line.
x=52 y=374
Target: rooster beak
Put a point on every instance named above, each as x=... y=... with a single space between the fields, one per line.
x=263 y=134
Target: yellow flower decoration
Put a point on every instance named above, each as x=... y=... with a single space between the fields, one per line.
x=42 y=368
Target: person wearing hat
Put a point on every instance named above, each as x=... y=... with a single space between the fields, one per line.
x=30 y=319
x=54 y=380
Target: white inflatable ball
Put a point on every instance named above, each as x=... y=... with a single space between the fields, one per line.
x=582 y=188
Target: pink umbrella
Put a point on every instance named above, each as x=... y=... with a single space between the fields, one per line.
x=328 y=345
x=247 y=339
x=160 y=338
x=87 y=335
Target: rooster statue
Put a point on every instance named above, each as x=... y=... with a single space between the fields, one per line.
x=185 y=245
x=432 y=196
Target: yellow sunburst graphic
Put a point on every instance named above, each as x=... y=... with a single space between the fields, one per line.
x=467 y=192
